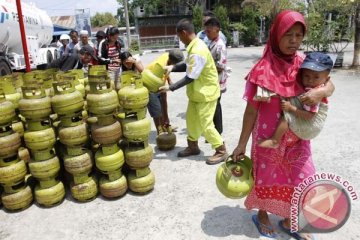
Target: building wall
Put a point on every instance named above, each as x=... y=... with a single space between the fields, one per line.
x=159 y=25
x=163 y=21
x=157 y=31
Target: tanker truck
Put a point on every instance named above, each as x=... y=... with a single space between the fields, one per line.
x=38 y=29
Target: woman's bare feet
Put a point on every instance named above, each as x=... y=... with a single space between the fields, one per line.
x=269 y=143
x=306 y=236
x=264 y=220
x=286 y=223
x=301 y=236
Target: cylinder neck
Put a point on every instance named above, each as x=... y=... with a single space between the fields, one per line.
x=38 y=125
x=109 y=149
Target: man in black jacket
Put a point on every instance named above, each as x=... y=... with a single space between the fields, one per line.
x=79 y=61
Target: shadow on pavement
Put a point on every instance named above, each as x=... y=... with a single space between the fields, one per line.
x=172 y=155
x=254 y=58
x=181 y=115
x=224 y=221
x=183 y=131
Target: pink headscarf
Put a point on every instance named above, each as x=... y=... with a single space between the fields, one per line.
x=276 y=71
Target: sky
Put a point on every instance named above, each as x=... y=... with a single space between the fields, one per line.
x=67 y=7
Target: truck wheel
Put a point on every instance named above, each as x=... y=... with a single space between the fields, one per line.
x=49 y=57
x=56 y=54
x=4 y=68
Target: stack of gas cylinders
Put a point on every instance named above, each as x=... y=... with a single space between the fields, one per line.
x=73 y=134
x=80 y=80
x=17 y=193
x=78 y=131
x=134 y=97
x=102 y=103
x=11 y=86
x=40 y=139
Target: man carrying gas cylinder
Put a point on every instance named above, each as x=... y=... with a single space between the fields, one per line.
x=158 y=101
x=203 y=91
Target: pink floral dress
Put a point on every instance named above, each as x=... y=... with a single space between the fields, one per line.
x=276 y=171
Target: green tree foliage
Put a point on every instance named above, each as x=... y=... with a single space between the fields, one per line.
x=238 y=26
x=134 y=47
x=269 y=9
x=121 y=13
x=328 y=25
x=250 y=17
x=149 y=6
x=164 y=6
x=102 y=19
x=222 y=15
x=252 y=10
x=356 y=59
x=197 y=18
x=317 y=37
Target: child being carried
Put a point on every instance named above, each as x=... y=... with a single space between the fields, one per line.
x=303 y=120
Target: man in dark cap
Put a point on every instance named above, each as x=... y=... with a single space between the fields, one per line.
x=79 y=61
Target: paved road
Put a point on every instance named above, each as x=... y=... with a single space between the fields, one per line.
x=186 y=203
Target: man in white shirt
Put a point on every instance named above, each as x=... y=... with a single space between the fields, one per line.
x=84 y=40
x=74 y=40
x=64 y=40
x=202 y=35
x=218 y=51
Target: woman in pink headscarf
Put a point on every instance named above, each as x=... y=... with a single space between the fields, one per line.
x=276 y=171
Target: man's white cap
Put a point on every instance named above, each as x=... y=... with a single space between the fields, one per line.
x=84 y=32
x=64 y=37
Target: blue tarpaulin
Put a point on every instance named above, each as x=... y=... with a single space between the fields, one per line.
x=58 y=30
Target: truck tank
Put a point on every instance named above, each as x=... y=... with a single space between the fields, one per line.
x=38 y=29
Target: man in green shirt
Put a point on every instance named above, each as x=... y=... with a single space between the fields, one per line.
x=203 y=91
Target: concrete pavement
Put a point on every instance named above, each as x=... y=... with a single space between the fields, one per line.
x=185 y=203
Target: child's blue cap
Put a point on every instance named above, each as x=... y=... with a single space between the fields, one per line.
x=318 y=62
